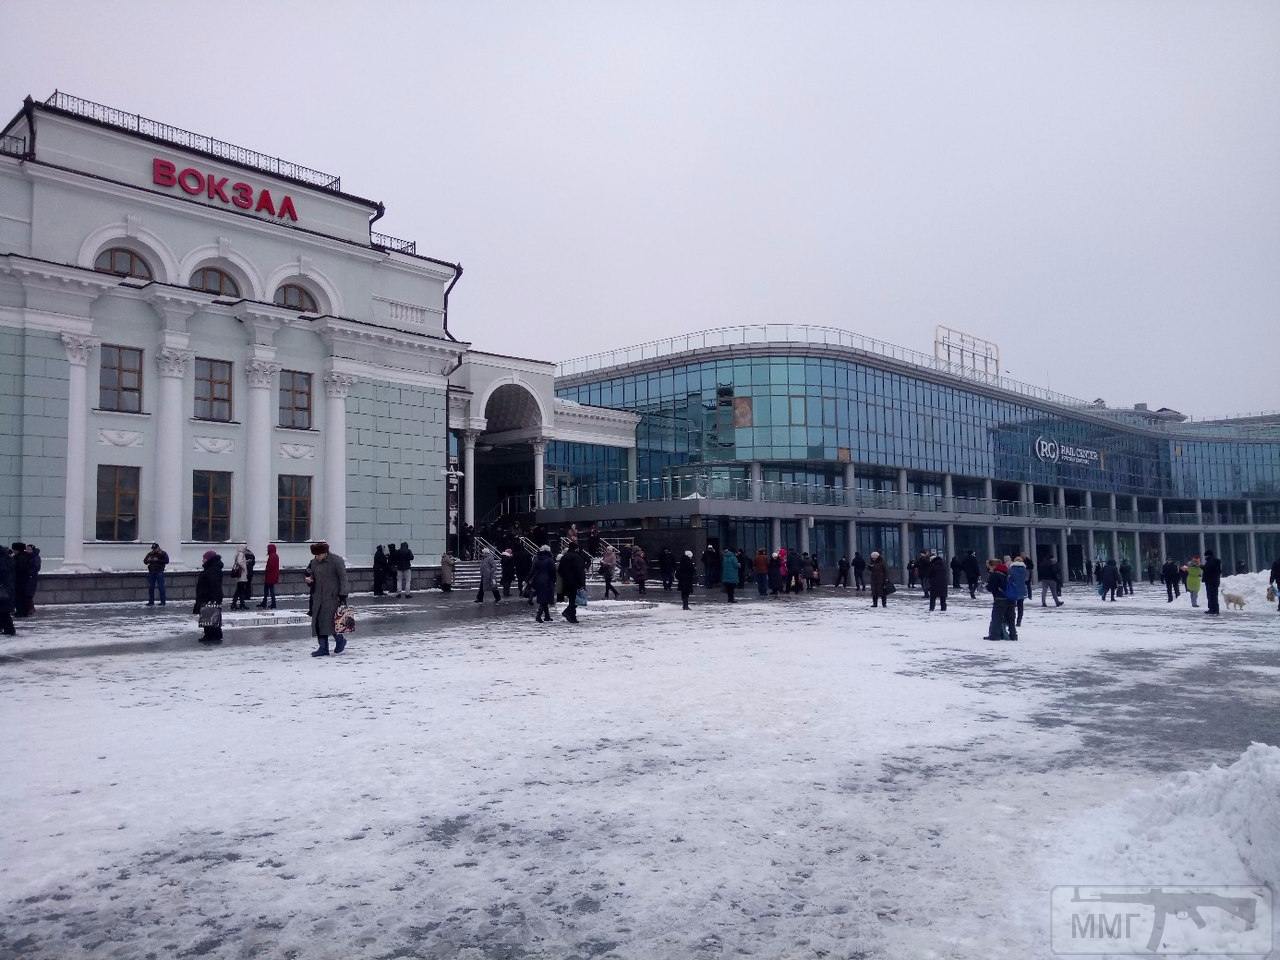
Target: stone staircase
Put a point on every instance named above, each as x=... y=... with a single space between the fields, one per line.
x=466 y=575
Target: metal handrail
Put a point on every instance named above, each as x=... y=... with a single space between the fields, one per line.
x=115 y=117
x=387 y=242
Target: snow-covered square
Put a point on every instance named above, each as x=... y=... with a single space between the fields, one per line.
x=801 y=777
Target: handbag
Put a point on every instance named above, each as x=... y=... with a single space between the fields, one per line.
x=889 y=588
x=344 y=620
x=211 y=614
x=580 y=598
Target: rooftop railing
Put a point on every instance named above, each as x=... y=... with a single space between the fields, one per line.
x=393 y=243
x=136 y=123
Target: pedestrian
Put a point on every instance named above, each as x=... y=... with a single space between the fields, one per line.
x=710 y=567
x=743 y=568
x=542 y=583
x=507 y=561
x=924 y=564
x=881 y=581
x=957 y=567
x=842 y=572
x=250 y=565
x=784 y=571
x=573 y=577
x=971 y=573
x=21 y=580
x=8 y=593
x=1097 y=570
x=380 y=568
x=270 y=577
x=775 y=574
x=859 y=570
x=1110 y=580
x=1169 y=577
x=403 y=563
x=608 y=566
x=1274 y=582
x=639 y=568
x=1212 y=576
x=1193 y=575
x=327 y=577
x=448 y=569
x=209 y=591
x=1002 y=610
x=1126 y=577
x=624 y=562
x=240 y=572
x=1031 y=570
x=938 y=582
x=667 y=568
x=1051 y=581
x=1019 y=589
x=911 y=573
x=760 y=568
x=31 y=579
x=488 y=576
x=155 y=561
x=524 y=567
x=729 y=574
x=686 y=577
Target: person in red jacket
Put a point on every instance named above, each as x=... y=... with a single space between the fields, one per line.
x=270 y=577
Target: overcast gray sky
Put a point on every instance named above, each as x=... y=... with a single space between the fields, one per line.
x=1093 y=185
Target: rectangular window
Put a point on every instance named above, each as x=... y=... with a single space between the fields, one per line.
x=210 y=506
x=117 y=503
x=293 y=509
x=213 y=389
x=120 y=379
x=295 y=399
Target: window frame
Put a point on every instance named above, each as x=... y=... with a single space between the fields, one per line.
x=116 y=517
x=288 y=516
x=305 y=297
x=213 y=399
x=115 y=405
x=211 y=516
x=225 y=280
x=135 y=260
x=288 y=389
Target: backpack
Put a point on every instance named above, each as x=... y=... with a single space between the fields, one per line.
x=1012 y=591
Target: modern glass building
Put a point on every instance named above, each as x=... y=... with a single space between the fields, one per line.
x=818 y=439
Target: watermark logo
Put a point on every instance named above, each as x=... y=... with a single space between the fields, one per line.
x=1224 y=921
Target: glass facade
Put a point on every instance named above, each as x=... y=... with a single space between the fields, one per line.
x=805 y=417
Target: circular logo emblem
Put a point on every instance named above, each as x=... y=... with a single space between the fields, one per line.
x=1047 y=450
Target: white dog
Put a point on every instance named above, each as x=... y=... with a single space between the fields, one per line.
x=1233 y=600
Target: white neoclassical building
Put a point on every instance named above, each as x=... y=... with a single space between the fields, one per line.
x=203 y=345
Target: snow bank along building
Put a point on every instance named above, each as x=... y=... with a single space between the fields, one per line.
x=818 y=439
x=202 y=345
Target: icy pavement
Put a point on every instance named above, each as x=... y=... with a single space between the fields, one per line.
x=794 y=778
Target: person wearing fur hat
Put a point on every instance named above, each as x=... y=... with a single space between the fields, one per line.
x=542 y=583
x=209 y=590
x=327 y=578
x=880 y=579
x=686 y=577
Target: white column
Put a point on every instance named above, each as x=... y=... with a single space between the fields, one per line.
x=902 y=489
x=1137 y=555
x=1160 y=518
x=259 y=488
x=804 y=534
x=1254 y=563
x=170 y=412
x=948 y=499
x=78 y=348
x=757 y=480
x=633 y=468
x=1114 y=517
x=951 y=541
x=1062 y=502
x=540 y=471
x=991 y=539
x=904 y=536
x=337 y=386
x=1115 y=544
x=852 y=535
x=775 y=532
x=1164 y=547
x=1202 y=544
x=1062 y=555
x=469 y=438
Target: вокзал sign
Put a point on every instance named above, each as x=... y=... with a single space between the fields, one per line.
x=210 y=186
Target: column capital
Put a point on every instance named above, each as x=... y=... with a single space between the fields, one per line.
x=539 y=446
x=173 y=362
x=261 y=372
x=338 y=385
x=79 y=348
x=469 y=437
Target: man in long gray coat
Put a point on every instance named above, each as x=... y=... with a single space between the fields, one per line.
x=327 y=578
x=488 y=577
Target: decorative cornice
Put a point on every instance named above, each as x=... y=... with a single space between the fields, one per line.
x=338 y=385
x=173 y=362
x=79 y=348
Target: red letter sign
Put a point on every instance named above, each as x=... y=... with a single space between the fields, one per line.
x=163 y=172
x=286 y=209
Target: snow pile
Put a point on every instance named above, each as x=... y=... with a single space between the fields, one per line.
x=1251 y=586
x=1219 y=826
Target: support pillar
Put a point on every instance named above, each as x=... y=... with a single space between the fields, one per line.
x=1138 y=569
x=540 y=473
x=469 y=438
x=991 y=536
x=1115 y=516
x=1115 y=544
x=951 y=541
x=1164 y=547
x=775 y=533
x=852 y=536
x=337 y=386
x=258 y=459
x=170 y=473
x=904 y=535
x=1088 y=512
x=1254 y=563
x=79 y=349
x=948 y=501
x=902 y=489
x=1202 y=545
x=757 y=480
x=1064 y=571
x=850 y=491
x=1093 y=549
x=1062 y=504
x=804 y=533
x=633 y=469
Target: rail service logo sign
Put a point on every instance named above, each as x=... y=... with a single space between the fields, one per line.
x=1051 y=451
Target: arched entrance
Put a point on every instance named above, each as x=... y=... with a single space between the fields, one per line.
x=505 y=460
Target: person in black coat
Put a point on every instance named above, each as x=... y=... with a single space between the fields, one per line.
x=380 y=565
x=1211 y=576
x=859 y=571
x=542 y=583
x=667 y=568
x=957 y=567
x=1110 y=579
x=7 y=593
x=937 y=574
x=686 y=577
x=710 y=566
x=209 y=590
x=524 y=567
x=842 y=572
x=507 y=561
x=1051 y=582
x=742 y=568
x=971 y=573
x=1275 y=581
x=21 y=580
x=1172 y=582
x=573 y=577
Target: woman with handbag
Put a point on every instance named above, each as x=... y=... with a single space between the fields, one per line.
x=327 y=578
x=209 y=597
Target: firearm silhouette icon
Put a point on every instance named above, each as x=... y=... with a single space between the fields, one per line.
x=1182 y=905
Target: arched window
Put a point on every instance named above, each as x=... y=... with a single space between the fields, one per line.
x=123 y=263
x=213 y=280
x=296 y=297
